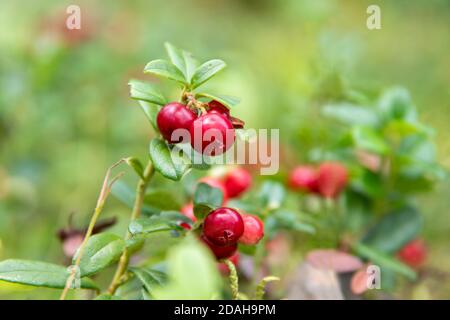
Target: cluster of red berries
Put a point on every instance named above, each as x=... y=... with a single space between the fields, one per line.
x=413 y=253
x=224 y=227
x=327 y=180
x=215 y=126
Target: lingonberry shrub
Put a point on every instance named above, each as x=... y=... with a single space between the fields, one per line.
x=199 y=121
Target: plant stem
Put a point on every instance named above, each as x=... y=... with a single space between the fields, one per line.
x=104 y=192
x=261 y=288
x=137 y=208
x=234 y=281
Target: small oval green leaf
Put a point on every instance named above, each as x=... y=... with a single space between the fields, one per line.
x=171 y=165
x=206 y=71
x=165 y=69
x=101 y=250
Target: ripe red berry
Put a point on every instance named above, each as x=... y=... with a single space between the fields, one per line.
x=303 y=178
x=174 y=116
x=212 y=134
x=413 y=253
x=223 y=268
x=220 y=252
x=331 y=179
x=237 y=182
x=216 y=106
x=253 y=230
x=215 y=183
x=223 y=226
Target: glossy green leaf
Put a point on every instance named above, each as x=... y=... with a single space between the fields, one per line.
x=37 y=273
x=171 y=165
x=141 y=90
x=227 y=101
x=394 y=230
x=101 y=251
x=183 y=60
x=206 y=194
x=206 y=71
x=164 y=69
x=150 y=279
x=152 y=224
x=383 y=260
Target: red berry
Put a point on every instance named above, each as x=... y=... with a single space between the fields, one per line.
x=216 y=106
x=212 y=134
x=237 y=182
x=303 y=178
x=223 y=268
x=253 y=230
x=220 y=252
x=331 y=179
x=174 y=116
x=223 y=226
x=215 y=183
x=413 y=253
x=185 y=225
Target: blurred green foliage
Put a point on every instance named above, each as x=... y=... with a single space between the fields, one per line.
x=65 y=112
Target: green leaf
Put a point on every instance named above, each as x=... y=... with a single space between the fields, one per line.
x=206 y=194
x=227 y=101
x=165 y=69
x=394 y=230
x=384 y=260
x=396 y=103
x=286 y=220
x=39 y=274
x=151 y=112
x=351 y=114
x=107 y=297
x=368 y=139
x=150 y=279
x=272 y=194
x=125 y=194
x=159 y=199
x=171 y=165
x=192 y=273
x=134 y=244
x=207 y=71
x=101 y=251
x=141 y=90
x=206 y=199
x=183 y=60
x=136 y=164
x=201 y=210
x=151 y=225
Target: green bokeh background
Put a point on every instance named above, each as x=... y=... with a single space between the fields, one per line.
x=65 y=114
